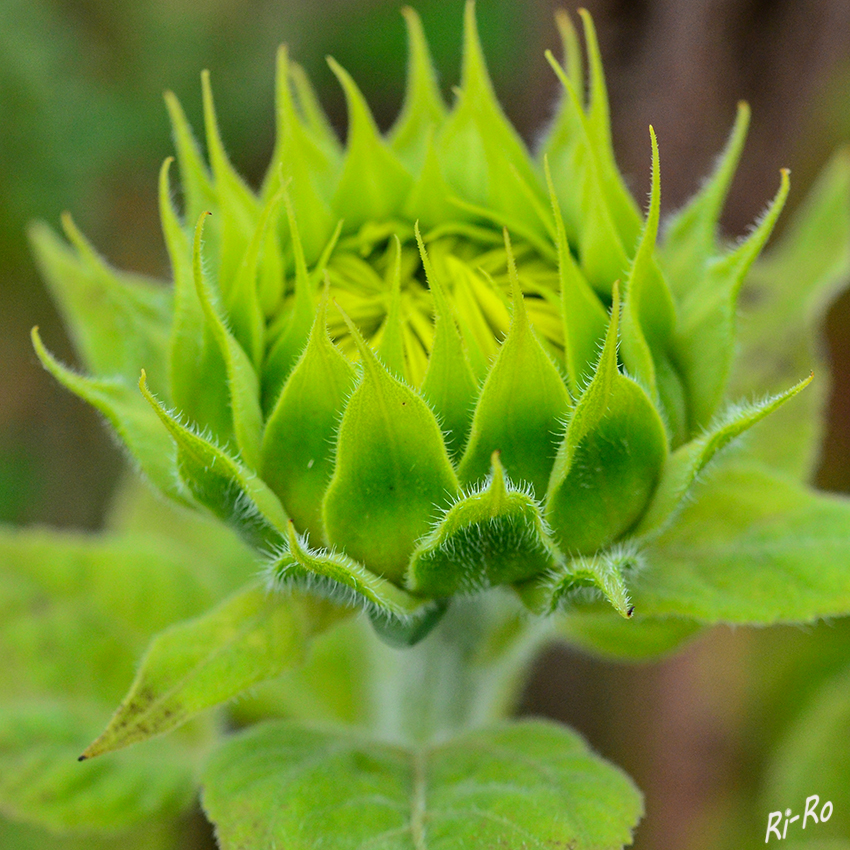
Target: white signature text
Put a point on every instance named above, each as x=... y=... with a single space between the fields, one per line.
x=810 y=813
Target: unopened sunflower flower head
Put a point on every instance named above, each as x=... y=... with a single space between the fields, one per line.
x=428 y=362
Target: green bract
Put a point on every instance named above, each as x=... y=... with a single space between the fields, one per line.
x=426 y=362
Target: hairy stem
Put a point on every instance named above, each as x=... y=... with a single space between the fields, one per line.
x=468 y=672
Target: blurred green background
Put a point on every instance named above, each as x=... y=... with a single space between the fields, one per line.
x=83 y=128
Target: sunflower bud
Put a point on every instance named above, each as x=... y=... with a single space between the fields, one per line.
x=425 y=363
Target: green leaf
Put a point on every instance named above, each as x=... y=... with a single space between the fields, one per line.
x=785 y=299
x=478 y=309
x=636 y=639
x=573 y=58
x=648 y=319
x=754 y=547
x=564 y=148
x=75 y=612
x=298 y=456
x=584 y=317
x=493 y=536
x=390 y=336
x=603 y=571
x=400 y=618
x=42 y=783
x=220 y=482
x=624 y=210
x=316 y=122
x=242 y=383
x=373 y=183
x=430 y=200
x=127 y=413
x=586 y=204
x=520 y=407
x=244 y=308
x=119 y=322
x=218 y=555
x=289 y=345
x=204 y=662
x=392 y=471
x=196 y=370
x=683 y=466
x=609 y=459
x=236 y=203
x=423 y=109
x=704 y=339
x=163 y=835
x=691 y=234
x=69 y=596
x=305 y=155
x=519 y=785
x=480 y=153
x=449 y=385
x=335 y=685
x=812 y=759
x=195 y=179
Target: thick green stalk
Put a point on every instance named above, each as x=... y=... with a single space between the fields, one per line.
x=468 y=672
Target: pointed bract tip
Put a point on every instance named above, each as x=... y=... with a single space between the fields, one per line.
x=512 y=272
x=164 y=178
x=474 y=66
x=423 y=252
x=413 y=22
x=371 y=363
x=199 y=224
x=206 y=85
x=338 y=70
x=83 y=757
x=352 y=328
x=433 y=282
x=360 y=118
x=560 y=73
